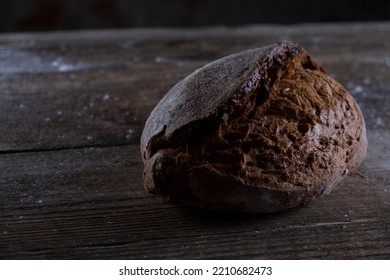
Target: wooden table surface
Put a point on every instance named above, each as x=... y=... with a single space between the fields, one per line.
x=72 y=109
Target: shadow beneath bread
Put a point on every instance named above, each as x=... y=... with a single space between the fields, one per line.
x=233 y=218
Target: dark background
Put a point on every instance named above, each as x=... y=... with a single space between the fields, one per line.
x=44 y=15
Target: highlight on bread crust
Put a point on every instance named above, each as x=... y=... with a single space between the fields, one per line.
x=259 y=131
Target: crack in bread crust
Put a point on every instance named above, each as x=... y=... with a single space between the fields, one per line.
x=296 y=138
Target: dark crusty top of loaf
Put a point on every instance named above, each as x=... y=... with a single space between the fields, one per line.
x=210 y=87
x=258 y=131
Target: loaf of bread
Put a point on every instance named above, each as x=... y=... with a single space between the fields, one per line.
x=259 y=131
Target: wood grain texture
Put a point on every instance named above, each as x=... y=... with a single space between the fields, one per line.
x=73 y=107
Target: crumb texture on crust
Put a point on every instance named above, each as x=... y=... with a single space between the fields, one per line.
x=285 y=134
x=306 y=129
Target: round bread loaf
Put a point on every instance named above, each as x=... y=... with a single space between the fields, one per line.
x=259 y=131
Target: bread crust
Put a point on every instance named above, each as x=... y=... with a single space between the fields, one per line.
x=262 y=130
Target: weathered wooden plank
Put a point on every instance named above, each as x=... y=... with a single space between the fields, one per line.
x=97 y=109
